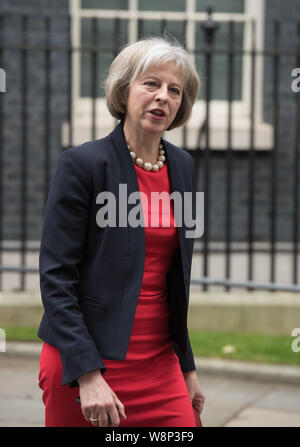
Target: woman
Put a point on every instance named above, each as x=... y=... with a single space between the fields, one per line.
x=116 y=296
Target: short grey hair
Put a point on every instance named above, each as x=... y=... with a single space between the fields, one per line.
x=134 y=59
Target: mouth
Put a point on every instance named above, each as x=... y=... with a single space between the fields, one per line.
x=158 y=113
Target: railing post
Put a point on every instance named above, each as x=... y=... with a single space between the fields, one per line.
x=94 y=75
x=47 y=107
x=274 y=155
x=230 y=87
x=24 y=145
x=209 y=28
x=251 y=156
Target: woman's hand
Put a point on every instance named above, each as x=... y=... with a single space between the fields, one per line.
x=98 y=401
x=193 y=386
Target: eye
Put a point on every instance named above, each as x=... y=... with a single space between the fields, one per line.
x=150 y=83
x=175 y=90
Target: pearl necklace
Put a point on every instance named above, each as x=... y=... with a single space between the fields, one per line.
x=147 y=165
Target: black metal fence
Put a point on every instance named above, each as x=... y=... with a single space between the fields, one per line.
x=281 y=111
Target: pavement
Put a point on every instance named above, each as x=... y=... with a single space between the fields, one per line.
x=238 y=394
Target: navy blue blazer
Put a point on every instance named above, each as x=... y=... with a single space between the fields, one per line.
x=90 y=277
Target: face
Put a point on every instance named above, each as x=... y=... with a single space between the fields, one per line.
x=154 y=98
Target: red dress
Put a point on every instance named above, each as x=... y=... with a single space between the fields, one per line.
x=149 y=382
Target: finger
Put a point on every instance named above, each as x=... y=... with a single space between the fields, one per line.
x=89 y=412
x=94 y=420
x=112 y=424
x=201 y=407
x=113 y=417
x=199 y=402
x=121 y=408
x=198 y=407
x=103 y=419
x=86 y=415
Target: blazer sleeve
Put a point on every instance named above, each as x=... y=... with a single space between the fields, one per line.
x=62 y=244
x=186 y=361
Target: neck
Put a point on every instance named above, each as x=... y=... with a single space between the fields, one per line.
x=144 y=145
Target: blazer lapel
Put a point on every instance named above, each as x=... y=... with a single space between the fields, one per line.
x=126 y=173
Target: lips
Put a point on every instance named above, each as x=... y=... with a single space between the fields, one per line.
x=158 y=112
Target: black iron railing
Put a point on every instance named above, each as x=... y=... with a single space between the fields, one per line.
x=203 y=154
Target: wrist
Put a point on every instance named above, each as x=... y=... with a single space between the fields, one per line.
x=190 y=374
x=86 y=377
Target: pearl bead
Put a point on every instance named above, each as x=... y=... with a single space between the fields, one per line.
x=148 y=166
x=155 y=167
x=161 y=157
x=139 y=162
x=133 y=155
x=160 y=163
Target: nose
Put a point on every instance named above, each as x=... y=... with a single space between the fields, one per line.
x=162 y=93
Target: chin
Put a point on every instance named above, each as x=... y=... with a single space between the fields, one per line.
x=155 y=128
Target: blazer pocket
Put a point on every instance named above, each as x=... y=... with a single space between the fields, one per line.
x=96 y=301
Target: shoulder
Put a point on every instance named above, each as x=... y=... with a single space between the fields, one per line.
x=89 y=151
x=85 y=155
x=81 y=164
